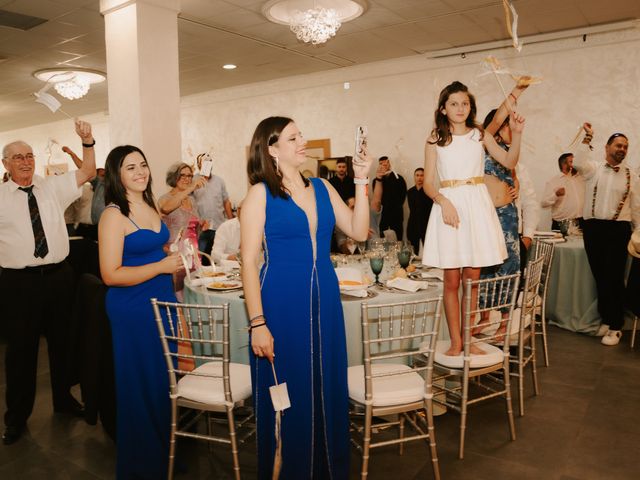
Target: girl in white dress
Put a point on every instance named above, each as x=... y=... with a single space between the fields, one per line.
x=463 y=232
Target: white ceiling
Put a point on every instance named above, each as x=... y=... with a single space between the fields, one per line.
x=215 y=32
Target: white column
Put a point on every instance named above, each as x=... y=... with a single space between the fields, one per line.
x=143 y=79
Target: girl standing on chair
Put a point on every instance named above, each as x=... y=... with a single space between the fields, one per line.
x=463 y=233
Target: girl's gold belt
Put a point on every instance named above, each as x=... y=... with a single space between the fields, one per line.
x=459 y=183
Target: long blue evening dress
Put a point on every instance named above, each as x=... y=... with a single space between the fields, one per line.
x=301 y=302
x=142 y=383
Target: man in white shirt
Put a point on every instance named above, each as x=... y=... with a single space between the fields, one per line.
x=564 y=193
x=528 y=212
x=36 y=281
x=612 y=202
x=227 y=240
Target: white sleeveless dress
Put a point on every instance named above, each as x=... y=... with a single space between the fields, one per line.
x=478 y=241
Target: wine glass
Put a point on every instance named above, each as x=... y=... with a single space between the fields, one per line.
x=362 y=247
x=376 y=261
x=351 y=245
x=404 y=257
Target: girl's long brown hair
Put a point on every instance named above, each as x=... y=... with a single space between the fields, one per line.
x=442 y=129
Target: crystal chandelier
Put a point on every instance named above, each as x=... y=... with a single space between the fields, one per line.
x=316 y=25
x=71 y=83
x=73 y=89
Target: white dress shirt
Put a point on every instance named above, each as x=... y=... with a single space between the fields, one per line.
x=527 y=203
x=611 y=186
x=53 y=194
x=227 y=240
x=567 y=206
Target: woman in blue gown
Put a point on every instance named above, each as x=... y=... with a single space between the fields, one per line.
x=294 y=303
x=135 y=267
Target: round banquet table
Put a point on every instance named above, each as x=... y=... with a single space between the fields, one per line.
x=572 y=301
x=239 y=338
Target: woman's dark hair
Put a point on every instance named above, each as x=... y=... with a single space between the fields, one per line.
x=261 y=166
x=442 y=129
x=173 y=173
x=114 y=191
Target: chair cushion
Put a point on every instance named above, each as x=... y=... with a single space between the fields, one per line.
x=493 y=356
x=211 y=390
x=387 y=391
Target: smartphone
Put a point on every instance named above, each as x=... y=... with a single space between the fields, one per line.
x=206 y=164
x=361 y=141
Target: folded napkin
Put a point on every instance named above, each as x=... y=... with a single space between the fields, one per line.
x=539 y=233
x=433 y=273
x=406 y=284
x=355 y=293
x=229 y=263
x=555 y=240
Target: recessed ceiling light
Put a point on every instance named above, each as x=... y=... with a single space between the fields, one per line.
x=229 y=66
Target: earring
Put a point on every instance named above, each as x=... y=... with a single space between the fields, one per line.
x=275 y=159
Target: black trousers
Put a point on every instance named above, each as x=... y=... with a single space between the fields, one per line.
x=35 y=302
x=393 y=224
x=605 y=242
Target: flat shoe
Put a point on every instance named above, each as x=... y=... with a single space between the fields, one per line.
x=12 y=434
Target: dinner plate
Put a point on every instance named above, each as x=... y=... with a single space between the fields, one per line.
x=219 y=275
x=361 y=286
x=221 y=286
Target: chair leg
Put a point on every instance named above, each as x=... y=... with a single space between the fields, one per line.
x=234 y=442
x=463 y=415
x=401 y=420
x=366 y=442
x=545 y=345
x=432 y=440
x=508 y=402
x=521 y=387
x=172 y=438
x=633 y=331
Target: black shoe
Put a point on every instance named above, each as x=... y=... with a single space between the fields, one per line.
x=12 y=434
x=72 y=408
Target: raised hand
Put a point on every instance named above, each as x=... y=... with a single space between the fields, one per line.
x=83 y=129
x=516 y=123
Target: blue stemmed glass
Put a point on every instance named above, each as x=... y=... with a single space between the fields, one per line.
x=404 y=257
x=376 y=262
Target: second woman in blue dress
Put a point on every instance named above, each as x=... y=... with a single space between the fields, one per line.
x=294 y=303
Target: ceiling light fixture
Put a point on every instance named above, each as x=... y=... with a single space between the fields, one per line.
x=315 y=25
x=70 y=83
x=313 y=22
x=229 y=66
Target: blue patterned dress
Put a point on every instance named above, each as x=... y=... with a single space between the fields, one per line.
x=508 y=216
x=301 y=302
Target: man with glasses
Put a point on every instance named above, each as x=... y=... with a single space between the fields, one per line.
x=213 y=205
x=612 y=202
x=35 y=280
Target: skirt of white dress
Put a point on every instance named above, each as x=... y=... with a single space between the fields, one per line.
x=478 y=240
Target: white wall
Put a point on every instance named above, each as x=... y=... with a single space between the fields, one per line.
x=597 y=80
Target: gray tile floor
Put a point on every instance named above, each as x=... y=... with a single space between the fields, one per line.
x=585 y=425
